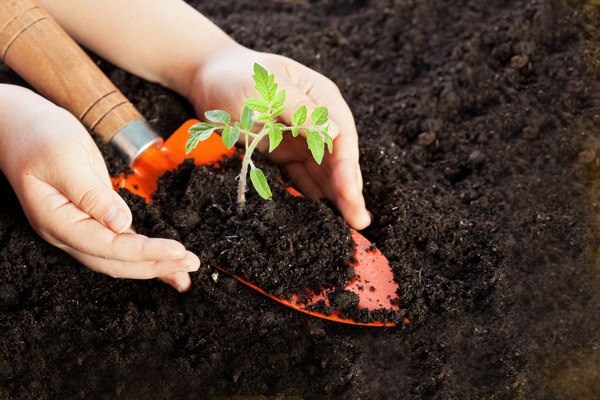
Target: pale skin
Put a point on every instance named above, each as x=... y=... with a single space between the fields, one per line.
x=66 y=193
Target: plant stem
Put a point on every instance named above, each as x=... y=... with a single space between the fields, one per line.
x=244 y=173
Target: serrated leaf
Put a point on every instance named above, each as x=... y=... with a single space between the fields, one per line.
x=265 y=83
x=198 y=132
x=319 y=116
x=315 y=144
x=260 y=183
x=260 y=71
x=257 y=104
x=295 y=131
x=278 y=100
x=263 y=118
x=247 y=118
x=230 y=136
x=275 y=137
x=271 y=87
x=191 y=144
x=277 y=112
x=203 y=130
x=218 y=116
x=299 y=116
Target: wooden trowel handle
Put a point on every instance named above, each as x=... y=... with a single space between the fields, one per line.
x=39 y=50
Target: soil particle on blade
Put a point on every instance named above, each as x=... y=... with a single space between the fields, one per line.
x=320 y=307
x=344 y=300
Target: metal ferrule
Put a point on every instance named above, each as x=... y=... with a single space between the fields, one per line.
x=131 y=141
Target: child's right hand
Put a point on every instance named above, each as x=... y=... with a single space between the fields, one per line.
x=224 y=80
x=64 y=188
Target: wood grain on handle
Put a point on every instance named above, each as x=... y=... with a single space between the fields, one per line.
x=39 y=50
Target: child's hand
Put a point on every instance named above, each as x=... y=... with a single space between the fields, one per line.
x=225 y=80
x=63 y=185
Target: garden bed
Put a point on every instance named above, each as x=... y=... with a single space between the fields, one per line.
x=478 y=125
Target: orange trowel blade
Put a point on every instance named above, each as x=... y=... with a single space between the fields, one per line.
x=373 y=282
x=156 y=161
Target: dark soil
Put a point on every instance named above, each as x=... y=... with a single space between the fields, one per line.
x=478 y=126
x=284 y=245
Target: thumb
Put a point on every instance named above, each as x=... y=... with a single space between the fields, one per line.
x=93 y=195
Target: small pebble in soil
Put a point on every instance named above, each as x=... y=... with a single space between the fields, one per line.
x=476 y=157
x=426 y=138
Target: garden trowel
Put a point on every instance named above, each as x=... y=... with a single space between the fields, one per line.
x=37 y=48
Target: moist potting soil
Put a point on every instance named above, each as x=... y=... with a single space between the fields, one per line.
x=286 y=246
x=478 y=126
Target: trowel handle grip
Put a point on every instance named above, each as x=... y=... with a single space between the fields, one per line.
x=40 y=51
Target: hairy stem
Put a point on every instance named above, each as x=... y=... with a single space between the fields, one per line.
x=245 y=163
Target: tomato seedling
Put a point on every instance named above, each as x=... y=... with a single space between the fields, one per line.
x=267 y=108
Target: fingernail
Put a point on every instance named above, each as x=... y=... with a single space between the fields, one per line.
x=187 y=268
x=115 y=219
x=183 y=283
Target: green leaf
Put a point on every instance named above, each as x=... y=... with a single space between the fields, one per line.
x=203 y=130
x=319 y=116
x=277 y=112
x=263 y=118
x=191 y=144
x=260 y=183
x=295 y=131
x=278 y=100
x=218 y=116
x=259 y=69
x=275 y=137
x=265 y=83
x=230 y=136
x=299 y=116
x=198 y=132
x=247 y=118
x=257 y=104
x=315 y=144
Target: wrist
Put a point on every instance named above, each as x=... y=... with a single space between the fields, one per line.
x=188 y=80
x=26 y=121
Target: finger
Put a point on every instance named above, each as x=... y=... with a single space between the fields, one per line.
x=137 y=269
x=347 y=181
x=345 y=168
x=304 y=181
x=60 y=222
x=350 y=201
x=180 y=281
x=93 y=195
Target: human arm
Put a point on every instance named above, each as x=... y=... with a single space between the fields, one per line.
x=168 y=42
x=63 y=185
